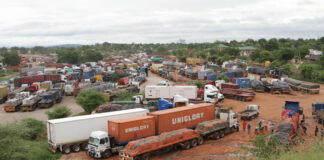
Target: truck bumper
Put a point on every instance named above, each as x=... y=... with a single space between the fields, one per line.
x=10 y=109
x=26 y=109
x=94 y=154
x=249 y=98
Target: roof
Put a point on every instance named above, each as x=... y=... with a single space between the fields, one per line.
x=180 y=109
x=123 y=120
x=247 y=48
x=222 y=46
x=69 y=119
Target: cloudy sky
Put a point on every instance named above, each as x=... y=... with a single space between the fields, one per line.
x=52 y=22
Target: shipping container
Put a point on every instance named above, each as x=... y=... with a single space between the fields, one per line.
x=202 y=74
x=88 y=74
x=123 y=81
x=182 y=117
x=3 y=94
x=229 y=74
x=34 y=69
x=168 y=92
x=243 y=82
x=78 y=129
x=128 y=129
x=212 y=77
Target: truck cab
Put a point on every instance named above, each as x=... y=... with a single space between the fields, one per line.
x=229 y=116
x=101 y=145
x=293 y=106
x=212 y=94
x=252 y=107
x=317 y=106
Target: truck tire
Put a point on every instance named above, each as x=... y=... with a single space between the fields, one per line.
x=194 y=142
x=76 y=148
x=200 y=141
x=215 y=135
x=145 y=156
x=84 y=146
x=186 y=145
x=66 y=149
x=106 y=154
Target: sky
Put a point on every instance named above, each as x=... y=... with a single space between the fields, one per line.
x=54 y=22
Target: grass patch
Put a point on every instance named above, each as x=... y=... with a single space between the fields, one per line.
x=7 y=76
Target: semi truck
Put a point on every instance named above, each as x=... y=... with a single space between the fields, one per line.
x=15 y=103
x=184 y=138
x=166 y=121
x=303 y=86
x=251 y=112
x=72 y=133
x=318 y=112
x=50 y=98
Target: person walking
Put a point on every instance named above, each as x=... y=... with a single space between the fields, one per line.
x=316 y=131
x=265 y=128
x=260 y=124
x=256 y=131
x=272 y=128
x=322 y=132
x=249 y=128
x=305 y=129
x=244 y=126
x=237 y=126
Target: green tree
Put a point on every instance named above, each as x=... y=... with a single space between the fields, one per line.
x=321 y=61
x=303 y=51
x=59 y=112
x=11 y=59
x=89 y=100
x=30 y=128
x=287 y=54
x=220 y=60
x=91 y=56
x=271 y=45
x=68 y=56
x=233 y=52
x=265 y=56
x=306 y=70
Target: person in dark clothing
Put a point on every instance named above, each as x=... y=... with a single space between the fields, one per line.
x=249 y=128
x=305 y=129
x=316 y=130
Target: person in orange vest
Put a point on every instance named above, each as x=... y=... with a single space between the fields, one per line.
x=244 y=126
x=266 y=128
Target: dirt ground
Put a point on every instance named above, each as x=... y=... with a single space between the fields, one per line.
x=153 y=79
x=38 y=113
x=229 y=147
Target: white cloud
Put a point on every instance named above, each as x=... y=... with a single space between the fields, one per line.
x=45 y=22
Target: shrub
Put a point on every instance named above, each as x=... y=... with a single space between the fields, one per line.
x=199 y=84
x=30 y=128
x=89 y=100
x=223 y=77
x=59 y=112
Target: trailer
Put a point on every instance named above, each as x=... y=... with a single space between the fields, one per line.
x=251 y=112
x=3 y=94
x=50 y=98
x=303 y=86
x=168 y=92
x=238 y=94
x=72 y=134
x=13 y=105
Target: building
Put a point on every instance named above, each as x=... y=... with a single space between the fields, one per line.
x=246 y=50
x=221 y=47
x=314 y=55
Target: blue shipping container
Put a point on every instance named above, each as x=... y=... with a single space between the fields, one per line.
x=212 y=77
x=317 y=106
x=88 y=74
x=243 y=82
x=142 y=69
x=229 y=74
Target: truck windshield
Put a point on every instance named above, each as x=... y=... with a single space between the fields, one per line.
x=94 y=141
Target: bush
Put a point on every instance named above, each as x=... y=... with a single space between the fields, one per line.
x=199 y=84
x=223 y=77
x=89 y=100
x=124 y=96
x=30 y=128
x=59 y=112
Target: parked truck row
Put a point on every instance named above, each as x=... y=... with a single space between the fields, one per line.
x=104 y=134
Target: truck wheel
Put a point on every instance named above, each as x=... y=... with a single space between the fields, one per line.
x=145 y=156
x=194 y=143
x=76 y=148
x=84 y=146
x=200 y=141
x=107 y=154
x=66 y=149
x=186 y=145
x=215 y=135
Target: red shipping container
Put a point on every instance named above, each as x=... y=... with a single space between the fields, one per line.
x=52 y=77
x=128 y=129
x=230 y=85
x=183 y=117
x=234 y=80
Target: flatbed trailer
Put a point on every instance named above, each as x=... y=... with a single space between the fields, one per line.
x=238 y=94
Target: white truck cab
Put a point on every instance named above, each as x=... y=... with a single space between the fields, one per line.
x=101 y=145
x=253 y=107
x=212 y=94
x=230 y=117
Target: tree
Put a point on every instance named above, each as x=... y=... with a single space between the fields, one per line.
x=287 y=54
x=321 y=61
x=233 y=52
x=271 y=45
x=11 y=59
x=303 y=51
x=89 y=100
x=59 y=112
x=306 y=70
x=265 y=56
x=91 y=56
x=223 y=77
x=68 y=56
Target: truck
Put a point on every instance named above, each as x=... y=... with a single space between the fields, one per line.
x=318 y=112
x=38 y=78
x=72 y=133
x=50 y=98
x=251 y=112
x=3 y=94
x=164 y=121
x=33 y=87
x=287 y=128
x=303 y=86
x=238 y=94
x=257 y=85
x=15 y=103
x=30 y=103
x=181 y=138
x=293 y=106
x=283 y=86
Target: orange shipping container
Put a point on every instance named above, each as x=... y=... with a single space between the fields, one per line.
x=127 y=129
x=183 y=117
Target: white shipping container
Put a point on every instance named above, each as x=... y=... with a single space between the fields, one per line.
x=78 y=129
x=168 y=92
